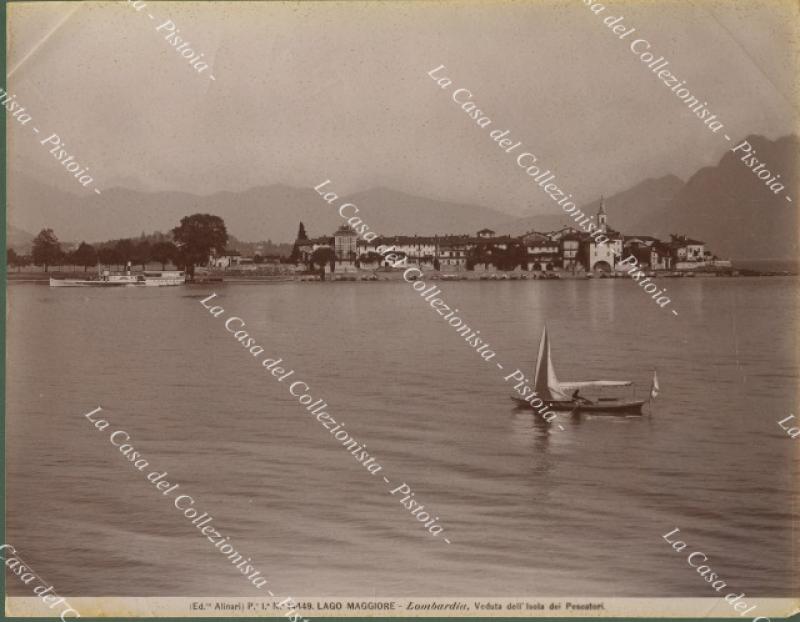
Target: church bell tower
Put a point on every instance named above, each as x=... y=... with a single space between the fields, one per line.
x=601 y=216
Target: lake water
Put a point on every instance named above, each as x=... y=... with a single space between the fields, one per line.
x=529 y=509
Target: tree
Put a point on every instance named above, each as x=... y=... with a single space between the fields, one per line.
x=164 y=252
x=196 y=236
x=11 y=257
x=16 y=261
x=322 y=256
x=301 y=237
x=46 y=249
x=85 y=255
x=482 y=253
x=515 y=254
x=68 y=259
x=142 y=253
x=108 y=256
x=125 y=251
x=179 y=259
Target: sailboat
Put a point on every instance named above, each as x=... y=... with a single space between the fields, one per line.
x=558 y=395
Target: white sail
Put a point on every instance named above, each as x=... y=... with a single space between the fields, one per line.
x=547 y=385
x=655 y=388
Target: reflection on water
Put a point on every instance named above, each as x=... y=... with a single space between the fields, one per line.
x=530 y=508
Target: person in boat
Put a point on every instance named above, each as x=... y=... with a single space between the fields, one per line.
x=576 y=397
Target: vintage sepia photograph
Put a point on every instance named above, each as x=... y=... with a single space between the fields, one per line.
x=401 y=309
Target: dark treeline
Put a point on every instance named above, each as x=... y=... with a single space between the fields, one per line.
x=147 y=248
x=47 y=252
x=186 y=246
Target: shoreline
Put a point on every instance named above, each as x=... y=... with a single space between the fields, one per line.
x=385 y=276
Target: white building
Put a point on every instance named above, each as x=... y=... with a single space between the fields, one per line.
x=603 y=257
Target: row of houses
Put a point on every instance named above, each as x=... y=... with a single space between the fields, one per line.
x=234 y=260
x=567 y=249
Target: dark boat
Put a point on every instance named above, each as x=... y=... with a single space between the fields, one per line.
x=557 y=395
x=604 y=405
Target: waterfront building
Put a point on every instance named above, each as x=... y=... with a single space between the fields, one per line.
x=345 y=243
x=660 y=258
x=542 y=254
x=570 y=245
x=453 y=252
x=345 y=248
x=686 y=250
x=412 y=246
x=602 y=257
x=224 y=259
x=650 y=252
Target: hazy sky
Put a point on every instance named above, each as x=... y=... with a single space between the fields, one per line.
x=308 y=91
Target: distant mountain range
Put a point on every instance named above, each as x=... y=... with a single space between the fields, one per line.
x=725 y=205
x=731 y=208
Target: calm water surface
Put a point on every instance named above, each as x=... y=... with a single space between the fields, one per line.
x=530 y=510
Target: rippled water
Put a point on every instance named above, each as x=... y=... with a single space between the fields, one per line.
x=528 y=509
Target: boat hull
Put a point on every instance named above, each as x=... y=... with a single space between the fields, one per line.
x=629 y=407
x=121 y=281
x=163 y=282
x=82 y=283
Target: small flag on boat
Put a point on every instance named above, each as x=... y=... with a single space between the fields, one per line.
x=654 y=388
